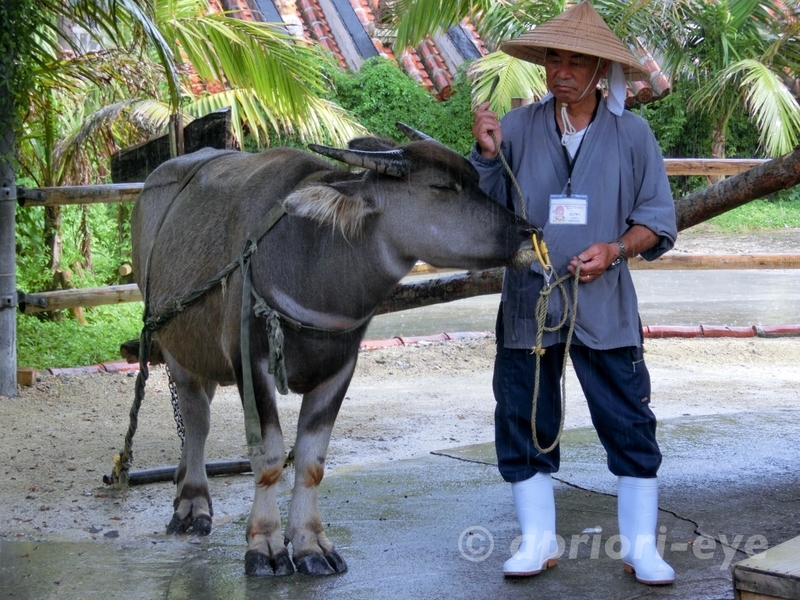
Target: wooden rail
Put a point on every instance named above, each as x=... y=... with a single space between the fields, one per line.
x=128 y=192
x=115 y=294
x=710 y=166
x=81 y=194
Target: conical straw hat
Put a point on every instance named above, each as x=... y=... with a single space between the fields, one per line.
x=579 y=29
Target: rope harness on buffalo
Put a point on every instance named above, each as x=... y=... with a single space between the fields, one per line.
x=540 y=249
x=250 y=298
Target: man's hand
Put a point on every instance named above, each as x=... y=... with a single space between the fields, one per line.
x=594 y=261
x=484 y=125
x=597 y=258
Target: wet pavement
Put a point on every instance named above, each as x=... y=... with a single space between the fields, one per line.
x=703 y=297
x=442 y=525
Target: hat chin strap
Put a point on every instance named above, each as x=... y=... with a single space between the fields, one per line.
x=617 y=89
x=569 y=128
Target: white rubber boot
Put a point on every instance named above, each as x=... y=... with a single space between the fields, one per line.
x=536 y=513
x=637 y=511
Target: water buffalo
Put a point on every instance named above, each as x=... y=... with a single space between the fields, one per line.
x=347 y=239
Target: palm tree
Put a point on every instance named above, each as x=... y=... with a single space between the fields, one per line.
x=84 y=105
x=273 y=82
x=734 y=53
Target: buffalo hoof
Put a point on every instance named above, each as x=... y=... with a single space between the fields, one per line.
x=198 y=526
x=259 y=564
x=201 y=526
x=316 y=564
x=178 y=525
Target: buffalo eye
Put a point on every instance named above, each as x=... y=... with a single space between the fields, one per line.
x=450 y=187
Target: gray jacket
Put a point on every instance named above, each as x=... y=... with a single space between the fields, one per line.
x=621 y=170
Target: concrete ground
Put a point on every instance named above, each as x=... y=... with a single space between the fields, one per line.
x=441 y=527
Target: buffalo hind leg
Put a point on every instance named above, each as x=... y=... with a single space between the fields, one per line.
x=192 y=505
x=266 y=551
x=312 y=551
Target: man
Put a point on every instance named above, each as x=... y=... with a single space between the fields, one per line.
x=593 y=178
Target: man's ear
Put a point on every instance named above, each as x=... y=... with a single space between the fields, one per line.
x=605 y=65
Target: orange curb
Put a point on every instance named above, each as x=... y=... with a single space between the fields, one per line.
x=777 y=330
x=660 y=331
x=711 y=331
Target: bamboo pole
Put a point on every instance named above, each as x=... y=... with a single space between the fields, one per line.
x=445 y=288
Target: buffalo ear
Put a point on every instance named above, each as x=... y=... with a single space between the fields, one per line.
x=341 y=205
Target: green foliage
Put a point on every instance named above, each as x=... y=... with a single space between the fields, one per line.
x=453 y=126
x=32 y=274
x=380 y=94
x=17 y=41
x=109 y=229
x=66 y=343
x=781 y=212
x=682 y=133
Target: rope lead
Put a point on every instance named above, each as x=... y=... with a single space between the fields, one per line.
x=540 y=249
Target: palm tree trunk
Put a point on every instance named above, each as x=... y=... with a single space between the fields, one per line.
x=52 y=214
x=718 y=139
x=86 y=239
x=52 y=236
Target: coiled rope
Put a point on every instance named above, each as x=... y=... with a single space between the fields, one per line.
x=542 y=304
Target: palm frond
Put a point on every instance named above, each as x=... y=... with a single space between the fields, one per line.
x=772 y=106
x=505 y=20
x=102 y=69
x=516 y=79
x=93 y=136
x=418 y=19
x=284 y=71
x=323 y=121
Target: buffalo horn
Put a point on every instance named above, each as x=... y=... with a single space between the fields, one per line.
x=413 y=134
x=387 y=162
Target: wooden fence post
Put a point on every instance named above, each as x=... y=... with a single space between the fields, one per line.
x=8 y=201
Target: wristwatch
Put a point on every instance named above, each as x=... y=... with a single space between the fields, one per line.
x=621 y=256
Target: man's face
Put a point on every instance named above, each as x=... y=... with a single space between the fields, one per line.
x=570 y=74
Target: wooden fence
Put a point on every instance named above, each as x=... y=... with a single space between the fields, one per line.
x=128 y=192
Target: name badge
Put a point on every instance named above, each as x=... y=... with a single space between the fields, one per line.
x=569 y=210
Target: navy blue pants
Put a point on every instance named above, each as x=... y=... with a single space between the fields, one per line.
x=616 y=384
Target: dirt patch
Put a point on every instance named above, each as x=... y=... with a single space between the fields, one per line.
x=60 y=435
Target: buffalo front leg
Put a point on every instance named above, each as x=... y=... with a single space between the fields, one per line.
x=193 y=510
x=266 y=552
x=312 y=551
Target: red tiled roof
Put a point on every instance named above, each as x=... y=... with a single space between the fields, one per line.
x=314 y=18
x=425 y=63
x=365 y=14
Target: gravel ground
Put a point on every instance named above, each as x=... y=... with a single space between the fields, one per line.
x=61 y=434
